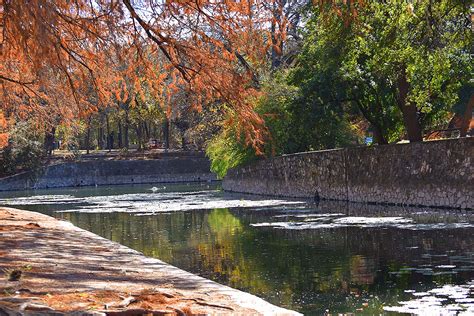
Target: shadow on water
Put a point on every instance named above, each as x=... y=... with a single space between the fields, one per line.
x=334 y=256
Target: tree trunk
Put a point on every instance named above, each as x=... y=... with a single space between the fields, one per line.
x=166 y=133
x=100 y=139
x=138 y=129
x=107 y=124
x=126 y=131
x=147 y=130
x=49 y=141
x=119 y=134
x=378 y=135
x=467 y=117
x=409 y=111
x=111 y=139
x=88 y=135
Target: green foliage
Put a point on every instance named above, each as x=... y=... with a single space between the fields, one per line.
x=321 y=110
x=294 y=121
x=345 y=84
x=301 y=118
x=24 y=151
x=227 y=150
x=429 y=40
x=69 y=134
x=356 y=65
x=275 y=108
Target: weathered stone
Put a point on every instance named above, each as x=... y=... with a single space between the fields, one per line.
x=434 y=173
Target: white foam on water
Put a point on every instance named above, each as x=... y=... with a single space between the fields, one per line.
x=438 y=301
x=41 y=200
x=150 y=202
x=312 y=221
x=367 y=221
x=295 y=225
x=446 y=266
x=311 y=215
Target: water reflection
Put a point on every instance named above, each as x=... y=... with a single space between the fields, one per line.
x=347 y=268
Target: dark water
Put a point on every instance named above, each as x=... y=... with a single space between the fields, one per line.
x=344 y=258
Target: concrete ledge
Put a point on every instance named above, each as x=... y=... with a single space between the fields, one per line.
x=434 y=174
x=62 y=258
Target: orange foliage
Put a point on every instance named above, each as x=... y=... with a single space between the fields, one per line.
x=62 y=60
x=3 y=128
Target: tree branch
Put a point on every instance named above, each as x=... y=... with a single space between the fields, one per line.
x=159 y=41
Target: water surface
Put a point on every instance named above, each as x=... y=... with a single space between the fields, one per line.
x=332 y=257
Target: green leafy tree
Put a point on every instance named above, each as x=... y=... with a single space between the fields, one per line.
x=397 y=65
x=420 y=52
x=228 y=149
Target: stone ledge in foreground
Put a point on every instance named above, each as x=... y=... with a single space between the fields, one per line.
x=66 y=269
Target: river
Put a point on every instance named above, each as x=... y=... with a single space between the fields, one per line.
x=330 y=257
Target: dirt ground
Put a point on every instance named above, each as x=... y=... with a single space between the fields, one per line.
x=51 y=267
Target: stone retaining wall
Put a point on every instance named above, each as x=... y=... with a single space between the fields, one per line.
x=435 y=173
x=110 y=172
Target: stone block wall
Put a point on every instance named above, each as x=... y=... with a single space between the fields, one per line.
x=111 y=172
x=435 y=173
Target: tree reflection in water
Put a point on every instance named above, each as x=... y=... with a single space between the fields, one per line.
x=343 y=269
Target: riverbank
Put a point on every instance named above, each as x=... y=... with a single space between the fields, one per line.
x=54 y=266
x=114 y=169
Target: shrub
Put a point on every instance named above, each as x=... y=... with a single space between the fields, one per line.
x=24 y=151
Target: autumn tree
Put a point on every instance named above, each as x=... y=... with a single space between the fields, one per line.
x=211 y=50
x=64 y=60
x=287 y=18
